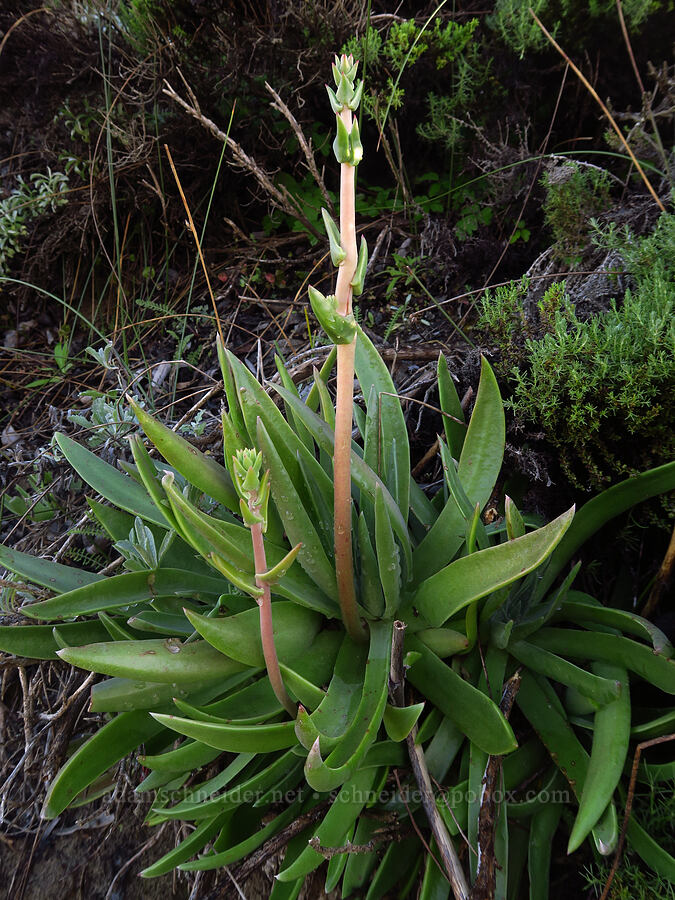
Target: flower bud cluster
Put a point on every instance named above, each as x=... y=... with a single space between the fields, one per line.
x=254 y=491
x=346 y=97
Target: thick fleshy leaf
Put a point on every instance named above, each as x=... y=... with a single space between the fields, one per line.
x=371 y=597
x=362 y=475
x=233 y=738
x=44 y=572
x=584 y=610
x=188 y=847
x=471 y=710
x=337 y=711
x=243 y=848
x=167 y=661
x=109 y=482
x=387 y=557
x=38 y=641
x=609 y=648
x=111 y=743
x=400 y=720
x=199 y=469
x=124 y=694
x=472 y=577
x=298 y=525
x=169 y=624
x=373 y=374
x=453 y=418
x=238 y=636
x=444 y=641
x=336 y=823
x=479 y=467
x=601 y=509
x=124 y=590
x=147 y=471
x=352 y=746
x=198 y=809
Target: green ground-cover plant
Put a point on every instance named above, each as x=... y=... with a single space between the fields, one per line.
x=41 y=194
x=514 y=23
x=265 y=610
x=574 y=194
x=599 y=387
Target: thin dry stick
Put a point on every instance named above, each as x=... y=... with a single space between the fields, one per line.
x=305 y=146
x=451 y=864
x=589 y=87
x=484 y=885
x=646 y=102
x=664 y=739
x=662 y=580
x=281 y=196
x=191 y=225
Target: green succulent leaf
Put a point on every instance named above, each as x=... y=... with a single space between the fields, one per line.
x=188 y=847
x=46 y=573
x=111 y=484
x=601 y=509
x=359 y=278
x=387 y=556
x=340 y=329
x=168 y=661
x=453 y=414
x=124 y=590
x=609 y=648
x=584 y=610
x=472 y=577
x=399 y=721
x=362 y=475
x=233 y=738
x=238 y=636
x=353 y=745
x=111 y=743
x=337 y=254
x=298 y=525
x=199 y=469
x=376 y=383
x=479 y=466
x=471 y=710
x=38 y=641
x=341 y=816
x=125 y=694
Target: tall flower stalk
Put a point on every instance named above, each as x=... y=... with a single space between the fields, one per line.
x=335 y=315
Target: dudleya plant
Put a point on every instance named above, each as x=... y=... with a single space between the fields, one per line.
x=271 y=608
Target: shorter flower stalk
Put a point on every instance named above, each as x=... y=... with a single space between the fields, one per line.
x=254 y=492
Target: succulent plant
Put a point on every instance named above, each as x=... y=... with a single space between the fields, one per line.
x=271 y=608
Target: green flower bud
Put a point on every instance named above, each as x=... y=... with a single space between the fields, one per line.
x=341 y=144
x=356 y=96
x=360 y=273
x=336 y=106
x=340 y=329
x=345 y=90
x=337 y=254
x=355 y=145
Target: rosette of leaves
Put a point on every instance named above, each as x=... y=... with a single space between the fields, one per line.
x=226 y=631
x=180 y=640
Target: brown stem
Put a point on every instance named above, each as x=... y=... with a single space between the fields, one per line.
x=266 y=628
x=342 y=478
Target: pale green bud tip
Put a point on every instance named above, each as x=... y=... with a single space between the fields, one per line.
x=249 y=459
